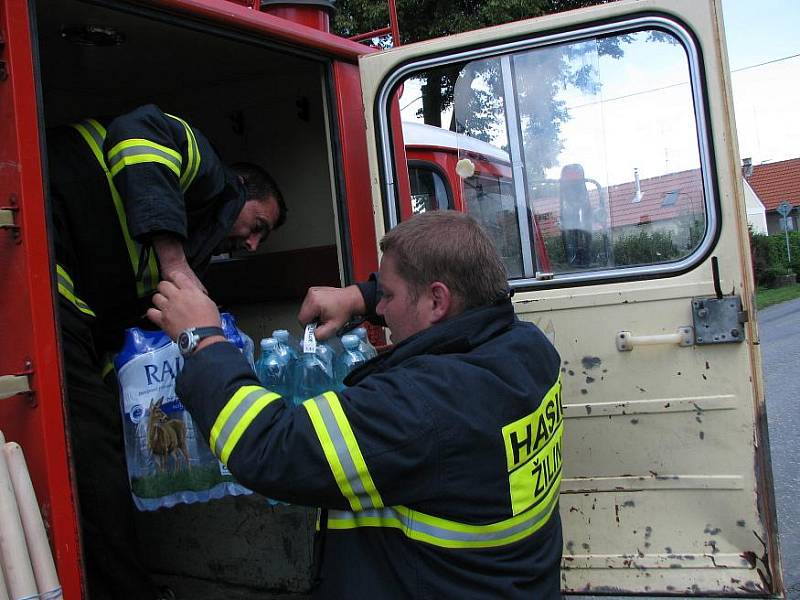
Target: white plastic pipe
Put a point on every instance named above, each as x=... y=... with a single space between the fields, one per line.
x=13 y=550
x=44 y=569
x=3 y=588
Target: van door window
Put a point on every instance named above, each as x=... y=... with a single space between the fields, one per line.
x=429 y=190
x=584 y=159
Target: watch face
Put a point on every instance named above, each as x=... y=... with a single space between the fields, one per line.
x=184 y=342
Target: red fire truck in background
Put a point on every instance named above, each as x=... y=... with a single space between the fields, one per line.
x=666 y=461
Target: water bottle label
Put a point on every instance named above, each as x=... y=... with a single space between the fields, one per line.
x=309 y=339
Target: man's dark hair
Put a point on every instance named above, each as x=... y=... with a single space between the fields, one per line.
x=451 y=247
x=260 y=186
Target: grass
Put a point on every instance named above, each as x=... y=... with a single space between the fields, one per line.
x=195 y=479
x=768 y=296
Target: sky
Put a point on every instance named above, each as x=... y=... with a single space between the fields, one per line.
x=763 y=39
x=641 y=118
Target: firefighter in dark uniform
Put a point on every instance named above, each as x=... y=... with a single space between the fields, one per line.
x=438 y=467
x=133 y=202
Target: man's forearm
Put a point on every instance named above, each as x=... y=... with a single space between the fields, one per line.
x=169 y=249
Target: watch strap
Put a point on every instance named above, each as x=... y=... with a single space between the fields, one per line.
x=204 y=332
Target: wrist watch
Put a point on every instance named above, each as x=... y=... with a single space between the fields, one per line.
x=189 y=338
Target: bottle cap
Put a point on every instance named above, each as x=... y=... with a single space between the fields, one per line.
x=350 y=341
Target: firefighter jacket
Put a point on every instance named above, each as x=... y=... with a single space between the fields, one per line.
x=439 y=465
x=113 y=188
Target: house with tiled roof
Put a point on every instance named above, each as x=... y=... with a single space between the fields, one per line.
x=774 y=183
x=670 y=203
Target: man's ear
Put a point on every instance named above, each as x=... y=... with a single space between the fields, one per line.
x=441 y=301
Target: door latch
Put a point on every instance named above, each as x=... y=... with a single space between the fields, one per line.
x=718 y=320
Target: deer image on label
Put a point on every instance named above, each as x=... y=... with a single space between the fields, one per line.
x=166 y=437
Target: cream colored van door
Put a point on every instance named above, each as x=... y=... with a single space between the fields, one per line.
x=623 y=229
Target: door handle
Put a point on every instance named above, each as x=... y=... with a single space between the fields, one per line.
x=683 y=337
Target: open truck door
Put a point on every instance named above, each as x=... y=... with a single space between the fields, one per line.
x=31 y=411
x=666 y=479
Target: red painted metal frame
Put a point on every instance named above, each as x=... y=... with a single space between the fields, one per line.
x=393 y=28
x=355 y=165
x=27 y=323
x=272 y=27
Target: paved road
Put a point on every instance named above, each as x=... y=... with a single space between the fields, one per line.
x=779 y=328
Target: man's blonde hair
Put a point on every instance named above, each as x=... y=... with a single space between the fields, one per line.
x=449 y=247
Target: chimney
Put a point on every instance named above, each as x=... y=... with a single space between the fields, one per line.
x=747 y=167
x=637 y=196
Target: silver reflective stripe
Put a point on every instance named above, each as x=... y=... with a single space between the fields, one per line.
x=67 y=289
x=343 y=452
x=455 y=535
x=141 y=150
x=235 y=417
x=98 y=136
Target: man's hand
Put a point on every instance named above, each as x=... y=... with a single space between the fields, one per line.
x=181 y=304
x=172 y=259
x=331 y=307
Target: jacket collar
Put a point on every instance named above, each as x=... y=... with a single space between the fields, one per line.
x=459 y=334
x=228 y=204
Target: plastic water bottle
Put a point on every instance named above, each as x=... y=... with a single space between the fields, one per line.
x=327 y=355
x=273 y=371
x=286 y=345
x=350 y=358
x=259 y=368
x=367 y=349
x=249 y=349
x=313 y=373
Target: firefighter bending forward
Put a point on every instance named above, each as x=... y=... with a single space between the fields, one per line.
x=438 y=468
x=138 y=200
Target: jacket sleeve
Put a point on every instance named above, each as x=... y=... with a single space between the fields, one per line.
x=153 y=159
x=370 y=446
x=372 y=294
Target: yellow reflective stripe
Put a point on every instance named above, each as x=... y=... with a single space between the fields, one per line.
x=137 y=151
x=355 y=450
x=236 y=416
x=93 y=134
x=67 y=289
x=193 y=155
x=331 y=454
x=442 y=532
x=359 y=488
x=139 y=142
x=61 y=272
x=107 y=368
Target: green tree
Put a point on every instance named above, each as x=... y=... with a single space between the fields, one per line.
x=481 y=109
x=425 y=19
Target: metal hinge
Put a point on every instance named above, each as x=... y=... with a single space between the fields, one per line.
x=11 y=385
x=18 y=383
x=3 y=70
x=8 y=217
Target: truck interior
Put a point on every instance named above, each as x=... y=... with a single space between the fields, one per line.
x=258 y=103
